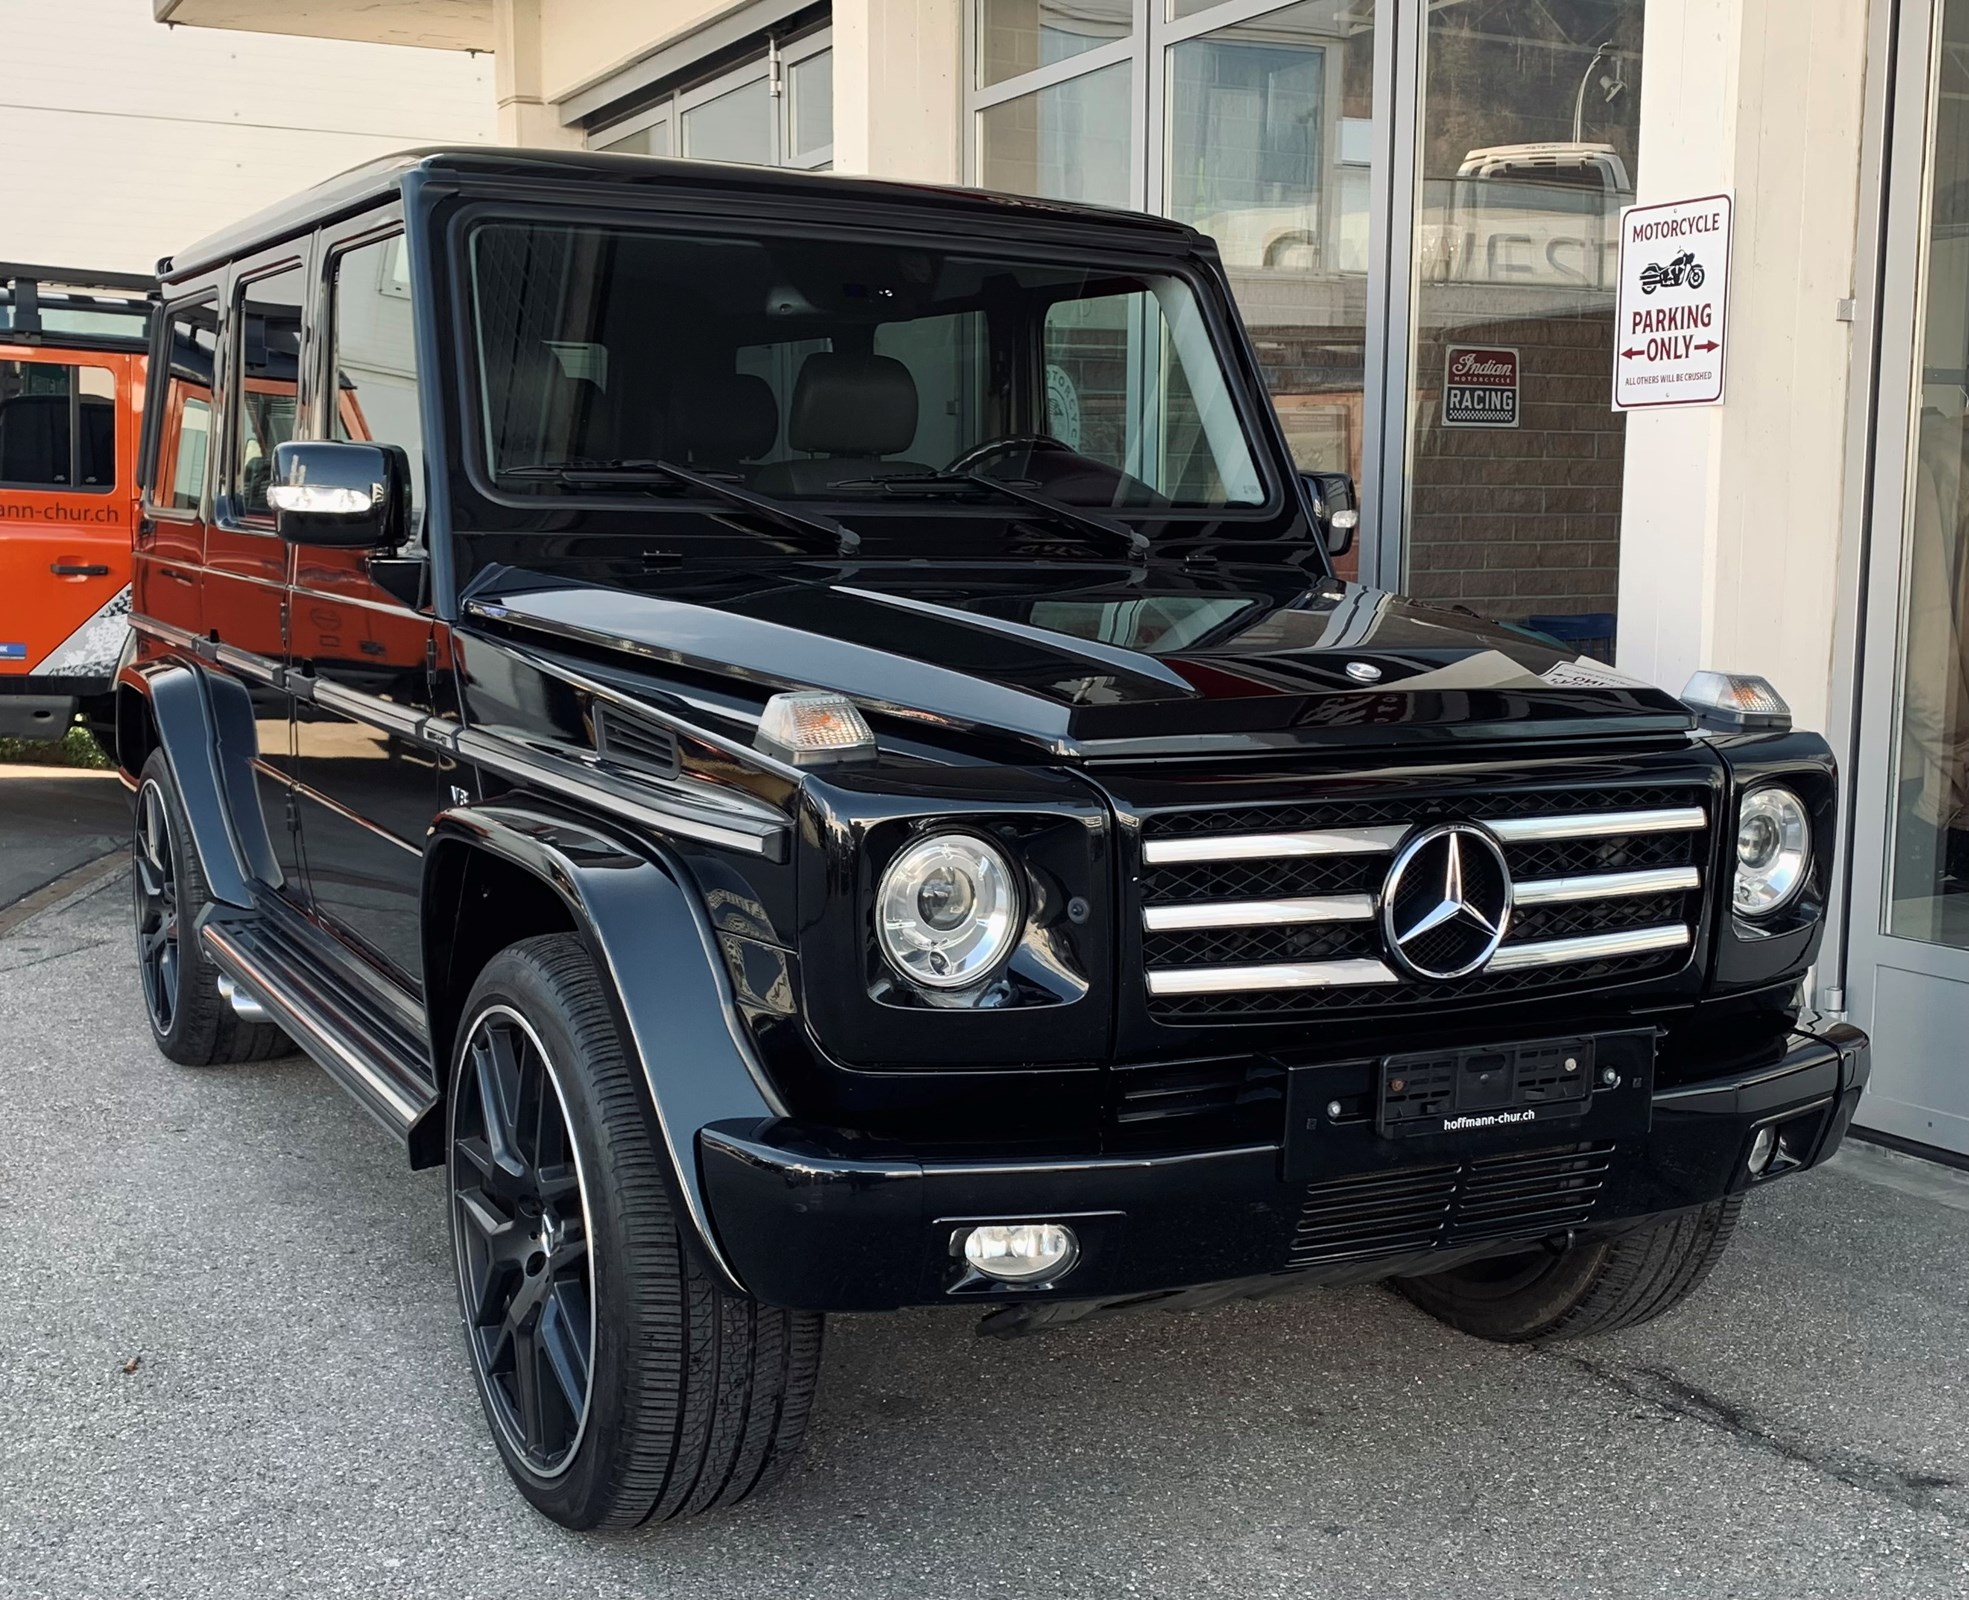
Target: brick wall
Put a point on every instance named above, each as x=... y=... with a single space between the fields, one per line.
x=1522 y=521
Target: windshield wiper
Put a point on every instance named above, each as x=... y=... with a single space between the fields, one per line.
x=815 y=529
x=1130 y=539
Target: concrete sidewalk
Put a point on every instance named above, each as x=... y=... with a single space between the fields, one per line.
x=54 y=820
x=230 y=1365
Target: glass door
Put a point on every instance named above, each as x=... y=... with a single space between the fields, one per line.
x=1908 y=959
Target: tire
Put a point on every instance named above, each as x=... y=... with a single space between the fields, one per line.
x=690 y=1396
x=193 y=1024
x=1587 y=1290
x=1696 y=276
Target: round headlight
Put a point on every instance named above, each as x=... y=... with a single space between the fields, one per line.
x=947 y=911
x=1774 y=850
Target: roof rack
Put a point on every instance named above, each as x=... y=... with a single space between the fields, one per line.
x=26 y=291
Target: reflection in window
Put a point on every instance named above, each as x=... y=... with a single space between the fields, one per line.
x=735 y=126
x=1928 y=895
x=1269 y=153
x=1530 y=118
x=186 y=437
x=1016 y=36
x=376 y=356
x=188 y=459
x=1068 y=142
x=810 y=106
x=267 y=328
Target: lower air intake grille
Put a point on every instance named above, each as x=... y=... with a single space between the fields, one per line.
x=1412 y=1209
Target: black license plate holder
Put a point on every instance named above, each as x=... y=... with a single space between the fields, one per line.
x=1472 y=1090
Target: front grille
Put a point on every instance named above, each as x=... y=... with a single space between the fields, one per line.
x=1290 y=927
x=1530 y=1195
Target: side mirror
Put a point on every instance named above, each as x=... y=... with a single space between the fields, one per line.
x=344 y=493
x=1336 y=509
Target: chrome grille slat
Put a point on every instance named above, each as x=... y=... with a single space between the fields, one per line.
x=1605 y=886
x=1598 y=824
x=1258 y=913
x=1258 y=846
x=1589 y=947
x=1279 y=975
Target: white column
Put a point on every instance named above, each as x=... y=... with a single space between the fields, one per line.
x=898 y=88
x=1730 y=523
x=526 y=117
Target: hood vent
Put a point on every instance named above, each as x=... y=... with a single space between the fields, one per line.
x=625 y=740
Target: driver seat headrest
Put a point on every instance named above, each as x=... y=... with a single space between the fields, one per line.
x=852 y=405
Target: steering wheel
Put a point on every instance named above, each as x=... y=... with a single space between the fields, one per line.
x=1032 y=443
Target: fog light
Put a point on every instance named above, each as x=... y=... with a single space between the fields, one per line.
x=1022 y=1252
x=1761 y=1149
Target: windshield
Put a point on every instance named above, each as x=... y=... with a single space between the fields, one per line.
x=827 y=369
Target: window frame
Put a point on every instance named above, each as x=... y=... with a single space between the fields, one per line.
x=296 y=255
x=372 y=228
x=157 y=399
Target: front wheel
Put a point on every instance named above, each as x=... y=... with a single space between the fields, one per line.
x=1585 y=1290
x=621 y=1380
x=1696 y=275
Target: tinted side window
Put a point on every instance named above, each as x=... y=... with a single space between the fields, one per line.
x=376 y=356
x=57 y=427
x=185 y=424
x=266 y=382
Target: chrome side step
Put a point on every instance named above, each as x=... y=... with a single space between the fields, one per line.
x=352 y=1039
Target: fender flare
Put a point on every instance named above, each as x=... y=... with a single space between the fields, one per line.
x=639 y=911
x=206 y=731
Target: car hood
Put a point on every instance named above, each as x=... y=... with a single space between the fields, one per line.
x=1096 y=662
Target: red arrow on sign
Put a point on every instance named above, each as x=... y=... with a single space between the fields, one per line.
x=1630 y=354
x=1711 y=345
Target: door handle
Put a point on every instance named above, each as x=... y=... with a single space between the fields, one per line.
x=91 y=570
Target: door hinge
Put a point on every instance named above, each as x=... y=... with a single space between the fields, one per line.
x=775 y=69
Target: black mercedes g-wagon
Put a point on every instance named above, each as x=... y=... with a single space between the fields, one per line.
x=798 y=737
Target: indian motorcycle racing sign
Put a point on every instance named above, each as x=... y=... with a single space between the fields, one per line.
x=1480 y=387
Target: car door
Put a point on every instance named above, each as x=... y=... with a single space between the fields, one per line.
x=181 y=470
x=366 y=787
x=66 y=462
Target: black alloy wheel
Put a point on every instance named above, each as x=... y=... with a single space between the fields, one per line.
x=154 y=890
x=521 y=1222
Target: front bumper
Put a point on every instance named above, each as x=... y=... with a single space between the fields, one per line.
x=808 y=1225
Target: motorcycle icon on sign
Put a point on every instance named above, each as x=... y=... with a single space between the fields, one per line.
x=1684 y=269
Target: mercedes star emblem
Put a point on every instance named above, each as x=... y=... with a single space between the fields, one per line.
x=1447 y=902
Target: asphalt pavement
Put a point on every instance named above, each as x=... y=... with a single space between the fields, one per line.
x=54 y=821
x=230 y=1365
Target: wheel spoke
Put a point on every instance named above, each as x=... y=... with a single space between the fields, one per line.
x=564 y=1341
x=498 y=1075
x=558 y=1186
x=526 y=1391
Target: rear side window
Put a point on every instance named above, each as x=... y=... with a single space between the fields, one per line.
x=57 y=427
x=184 y=438
x=266 y=385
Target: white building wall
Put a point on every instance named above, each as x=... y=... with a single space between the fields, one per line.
x=126 y=140
x=1731 y=526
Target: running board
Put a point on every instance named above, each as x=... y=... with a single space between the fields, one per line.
x=349 y=1036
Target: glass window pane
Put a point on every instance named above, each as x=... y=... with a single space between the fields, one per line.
x=95 y=428
x=185 y=438
x=1016 y=36
x=36 y=399
x=376 y=356
x=650 y=140
x=736 y=126
x=1531 y=110
x=267 y=328
x=810 y=109
x=1269 y=151
x=1928 y=897
x=1069 y=142
x=657 y=138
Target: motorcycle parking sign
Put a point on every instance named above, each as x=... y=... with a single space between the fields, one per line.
x=1670 y=337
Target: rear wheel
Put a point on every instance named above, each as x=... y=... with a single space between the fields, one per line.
x=620 y=1379
x=1589 y=1289
x=191 y=1021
